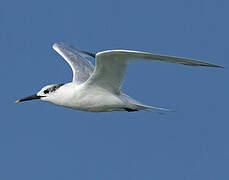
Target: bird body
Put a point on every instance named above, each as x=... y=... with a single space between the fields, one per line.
x=97 y=89
x=85 y=98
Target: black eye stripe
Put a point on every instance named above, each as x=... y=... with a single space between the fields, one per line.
x=46 y=91
x=53 y=88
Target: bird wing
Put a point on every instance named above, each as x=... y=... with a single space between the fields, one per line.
x=76 y=58
x=111 y=66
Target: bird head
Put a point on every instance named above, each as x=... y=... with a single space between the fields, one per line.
x=45 y=94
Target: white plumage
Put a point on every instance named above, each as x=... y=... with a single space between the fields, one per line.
x=98 y=89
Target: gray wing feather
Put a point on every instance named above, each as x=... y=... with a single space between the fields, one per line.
x=111 y=66
x=82 y=68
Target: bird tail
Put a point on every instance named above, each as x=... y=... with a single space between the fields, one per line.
x=158 y=110
x=135 y=105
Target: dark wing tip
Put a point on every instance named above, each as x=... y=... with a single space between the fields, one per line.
x=215 y=65
x=220 y=66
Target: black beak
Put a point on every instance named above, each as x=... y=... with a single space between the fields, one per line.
x=29 y=98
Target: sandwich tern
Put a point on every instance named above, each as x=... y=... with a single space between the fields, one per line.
x=97 y=89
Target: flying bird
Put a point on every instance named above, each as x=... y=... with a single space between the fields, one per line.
x=97 y=89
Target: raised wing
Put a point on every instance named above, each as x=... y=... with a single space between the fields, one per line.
x=76 y=58
x=111 y=66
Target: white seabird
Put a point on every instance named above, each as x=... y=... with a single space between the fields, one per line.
x=98 y=89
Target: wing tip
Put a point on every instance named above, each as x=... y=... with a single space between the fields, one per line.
x=214 y=65
x=62 y=45
x=57 y=45
x=219 y=66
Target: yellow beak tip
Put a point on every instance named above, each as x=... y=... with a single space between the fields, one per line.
x=17 y=101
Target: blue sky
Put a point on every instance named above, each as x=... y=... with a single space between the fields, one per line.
x=39 y=140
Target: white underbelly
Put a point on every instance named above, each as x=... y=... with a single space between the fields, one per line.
x=96 y=102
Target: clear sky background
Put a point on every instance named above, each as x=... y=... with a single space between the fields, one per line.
x=39 y=140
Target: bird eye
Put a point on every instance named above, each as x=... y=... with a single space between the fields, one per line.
x=46 y=91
